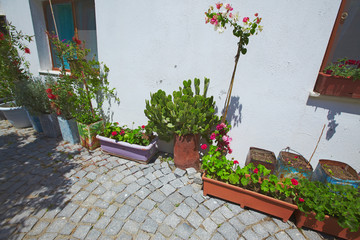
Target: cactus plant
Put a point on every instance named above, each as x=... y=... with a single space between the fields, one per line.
x=182 y=113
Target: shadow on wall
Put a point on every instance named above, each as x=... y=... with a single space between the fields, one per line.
x=334 y=107
x=234 y=112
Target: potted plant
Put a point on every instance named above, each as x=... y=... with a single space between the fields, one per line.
x=330 y=171
x=14 y=72
x=341 y=78
x=330 y=208
x=291 y=164
x=184 y=116
x=134 y=144
x=261 y=156
x=88 y=86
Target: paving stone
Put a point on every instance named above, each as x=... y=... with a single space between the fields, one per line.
x=91 y=217
x=226 y=212
x=183 y=210
x=122 y=197
x=124 y=212
x=39 y=227
x=102 y=223
x=93 y=234
x=143 y=181
x=81 y=196
x=124 y=236
x=51 y=213
x=132 y=188
x=176 y=198
x=212 y=204
x=157 y=183
x=108 y=196
x=177 y=183
x=191 y=203
x=179 y=172
x=260 y=230
x=217 y=217
x=68 y=210
x=114 y=227
x=295 y=234
x=237 y=225
x=147 y=204
x=89 y=201
x=258 y=215
x=129 y=179
x=311 y=234
x=133 y=201
x=67 y=229
x=48 y=236
x=165 y=230
x=99 y=190
x=172 y=220
x=281 y=224
x=209 y=225
x=91 y=176
x=118 y=177
x=142 y=236
x=81 y=231
x=56 y=226
x=202 y=234
x=78 y=214
x=228 y=231
x=282 y=236
x=167 y=189
x=187 y=191
x=131 y=227
x=270 y=227
x=28 y=224
x=157 y=215
x=217 y=236
x=157 y=196
x=110 y=211
x=247 y=218
x=101 y=204
x=149 y=226
x=143 y=193
x=118 y=188
x=250 y=235
x=203 y=211
x=195 y=219
x=138 y=215
x=184 y=231
x=151 y=177
x=167 y=207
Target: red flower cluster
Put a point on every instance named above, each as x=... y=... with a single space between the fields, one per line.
x=27 y=50
x=256 y=170
x=114 y=133
x=2 y=37
x=203 y=146
x=294 y=182
x=353 y=62
x=301 y=199
x=78 y=42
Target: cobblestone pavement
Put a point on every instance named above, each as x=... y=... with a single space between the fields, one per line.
x=53 y=190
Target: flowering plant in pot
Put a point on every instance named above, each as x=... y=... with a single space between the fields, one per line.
x=14 y=72
x=347 y=68
x=330 y=208
x=185 y=115
x=137 y=144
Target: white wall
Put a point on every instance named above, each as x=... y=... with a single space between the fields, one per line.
x=150 y=45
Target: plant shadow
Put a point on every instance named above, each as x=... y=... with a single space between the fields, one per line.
x=35 y=177
x=234 y=115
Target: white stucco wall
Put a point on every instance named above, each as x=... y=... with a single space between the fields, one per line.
x=158 y=44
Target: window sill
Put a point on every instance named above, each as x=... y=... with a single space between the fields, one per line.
x=51 y=72
x=316 y=95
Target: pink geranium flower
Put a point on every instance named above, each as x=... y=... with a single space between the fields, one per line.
x=301 y=199
x=204 y=146
x=114 y=133
x=213 y=136
x=236 y=162
x=143 y=126
x=256 y=170
x=245 y=19
x=294 y=182
x=218 y=5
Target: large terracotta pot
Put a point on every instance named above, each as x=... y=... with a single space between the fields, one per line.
x=247 y=198
x=186 y=151
x=337 y=86
x=138 y=153
x=328 y=226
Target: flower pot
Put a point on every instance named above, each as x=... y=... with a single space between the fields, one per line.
x=340 y=173
x=17 y=116
x=247 y=198
x=50 y=125
x=291 y=164
x=261 y=156
x=88 y=132
x=186 y=151
x=328 y=226
x=134 y=152
x=337 y=86
x=35 y=122
x=69 y=130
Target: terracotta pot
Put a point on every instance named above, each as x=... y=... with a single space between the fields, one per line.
x=261 y=156
x=186 y=151
x=247 y=198
x=337 y=86
x=328 y=226
x=134 y=152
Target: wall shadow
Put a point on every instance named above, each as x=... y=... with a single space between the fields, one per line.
x=33 y=177
x=335 y=107
x=234 y=115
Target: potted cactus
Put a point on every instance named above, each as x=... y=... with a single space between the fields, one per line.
x=185 y=116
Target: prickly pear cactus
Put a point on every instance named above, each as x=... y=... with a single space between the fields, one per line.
x=183 y=112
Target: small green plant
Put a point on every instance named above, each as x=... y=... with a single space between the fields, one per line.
x=347 y=68
x=177 y=204
x=140 y=135
x=339 y=201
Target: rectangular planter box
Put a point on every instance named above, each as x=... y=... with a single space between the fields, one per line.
x=328 y=226
x=261 y=156
x=134 y=152
x=88 y=134
x=247 y=198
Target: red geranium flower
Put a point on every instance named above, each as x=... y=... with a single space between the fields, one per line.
x=27 y=50
x=301 y=199
x=114 y=133
x=143 y=126
x=294 y=182
x=78 y=42
x=122 y=132
x=204 y=146
x=2 y=36
x=256 y=170
x=236 y=162
x=49 y=90
x=51 y=96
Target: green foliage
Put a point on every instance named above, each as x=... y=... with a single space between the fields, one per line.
x=181 y=113
x=344 y=68
x=139 y=135
x=14 y=69
x=340 y=201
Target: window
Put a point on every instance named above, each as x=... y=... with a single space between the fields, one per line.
x=73 y=18
x=344 y=42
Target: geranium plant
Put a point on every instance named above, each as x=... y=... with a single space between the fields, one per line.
x=339 y=201
x=14 y=69
x=220 y=17
x=140 y=135
x=345 y=67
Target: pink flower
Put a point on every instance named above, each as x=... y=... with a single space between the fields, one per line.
x=236 y=162
x=67 y=45
x=294 y=182
x=214 y=20
x=27 y=50
x=122 y=132
x=230 y=150
x=245 y=19
x=231 y=15
x=204 y=146
x=256 y=14
x=220 y=126
x=114 y=133
x=301 y=199
x=213 y=136
x=143 y=126
x=258 y=20
x=256 y=170
x=218 y=5
x=49 y=91
x=228 y=7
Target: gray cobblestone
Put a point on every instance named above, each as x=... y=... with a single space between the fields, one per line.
x=147 y=204
x=138 y=215
x=68 y=210
x=209 y=225
x=101 y=204
x=110 y=211
x=124 y=212
x=167 y=189
x=133 y=201
x=102 y=223
x=172 y=220
x=93 y=234
x=157 y=196
x=56 y=226
x=91 y=217
x=237 y=225
x=39 y=227
x=295 y=234
x=81 y=231
x=131 y=227
x=195 y=219
x=184 y=231
x=143 y=193
x=78 y=215
x=149 y=226
x=67 y=229
x=183 y=210
x=282 y=236
x=114 y=227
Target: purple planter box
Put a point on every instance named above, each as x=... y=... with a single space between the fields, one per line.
x=134 y=152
